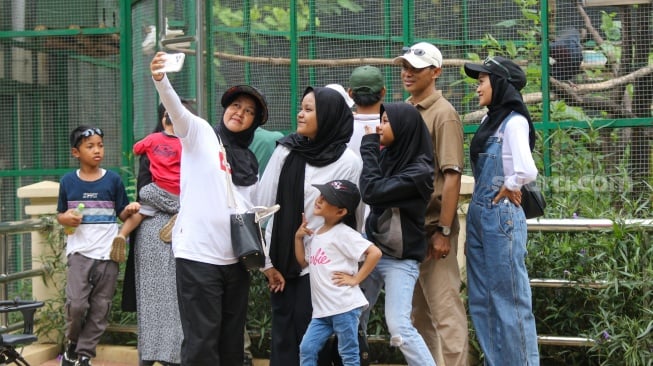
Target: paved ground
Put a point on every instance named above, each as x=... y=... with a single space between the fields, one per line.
x=55 y=362
x=46 y=355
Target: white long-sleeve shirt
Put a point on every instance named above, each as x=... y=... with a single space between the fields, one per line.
x=202 y=231
x=518 y=164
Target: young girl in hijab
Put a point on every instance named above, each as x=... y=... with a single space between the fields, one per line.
x=397 y=182
x=497 y=281
x=315 y=154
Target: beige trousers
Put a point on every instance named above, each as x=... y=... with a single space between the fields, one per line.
x=438 y=310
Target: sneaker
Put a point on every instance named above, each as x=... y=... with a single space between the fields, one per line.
x=83 y=361
x=118 y=249
x=69 y=357
x=165 y=234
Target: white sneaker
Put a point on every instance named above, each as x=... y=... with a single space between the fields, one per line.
x=69 y=356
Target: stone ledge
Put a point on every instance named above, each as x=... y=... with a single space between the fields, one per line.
x=47 y=354
x=37 y=354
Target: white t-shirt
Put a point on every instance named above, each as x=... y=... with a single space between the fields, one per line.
x=348 y=167
x=202 y=229
x=337 y=250
x=360 y=121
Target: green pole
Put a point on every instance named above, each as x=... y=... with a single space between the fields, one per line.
x=311 y=42
x=390 y=50
x=546 y=100
x=127 y=99
x=408 y=36
x=465 y=7
x=294 y=65
x=191 y=24
x=209 y=71
x=247 y=22
x=408 y=16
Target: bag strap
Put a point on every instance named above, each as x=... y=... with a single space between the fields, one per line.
x=222 y=153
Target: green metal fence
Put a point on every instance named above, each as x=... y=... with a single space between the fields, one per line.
x=69 y=62
x=64 y=63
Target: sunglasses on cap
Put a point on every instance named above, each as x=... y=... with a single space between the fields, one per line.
x=87 y=133
x=416 y=51
x=489 y=61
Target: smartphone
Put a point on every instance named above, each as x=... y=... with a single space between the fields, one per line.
x=173 y=62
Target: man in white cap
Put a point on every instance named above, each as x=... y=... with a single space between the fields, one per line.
x=438 y=311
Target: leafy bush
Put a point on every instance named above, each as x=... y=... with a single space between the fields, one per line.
x=618 y=316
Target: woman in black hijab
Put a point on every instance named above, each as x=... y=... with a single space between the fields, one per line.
x=236 y=135
x=397 y=183
x=315 y=154
x=498 y=287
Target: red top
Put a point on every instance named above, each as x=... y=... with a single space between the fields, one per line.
x=164 y=152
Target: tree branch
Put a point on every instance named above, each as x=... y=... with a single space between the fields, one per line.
x=311 y=62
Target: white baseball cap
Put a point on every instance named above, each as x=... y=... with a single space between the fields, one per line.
x=340 y=89
x=421 y=55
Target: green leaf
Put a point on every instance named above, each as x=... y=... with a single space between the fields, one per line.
x=350 y=5
x=508 y=23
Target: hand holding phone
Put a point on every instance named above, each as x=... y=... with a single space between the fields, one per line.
x=173 y=62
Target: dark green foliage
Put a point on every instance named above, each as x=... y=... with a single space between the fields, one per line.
x=618 y=317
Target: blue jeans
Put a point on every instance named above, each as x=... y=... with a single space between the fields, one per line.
x=498 y=287
x=344 y=325
x=399 y=277
x=497 y=282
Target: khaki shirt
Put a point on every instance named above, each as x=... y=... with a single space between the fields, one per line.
x=443 y=122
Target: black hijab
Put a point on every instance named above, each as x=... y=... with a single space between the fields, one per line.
x=335 y=125
x=412 y=141
x=505 y=99
x=243 y=162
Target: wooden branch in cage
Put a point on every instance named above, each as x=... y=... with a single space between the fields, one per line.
x=94 y=45
x=588 y=24
x=475 y=116
x=573 y=98
x=310 y=62
x=611 y=83
x=612 y=60
x=389 y=61
x=530 y=98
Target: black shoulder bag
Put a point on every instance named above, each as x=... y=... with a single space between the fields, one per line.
x=532 y=200
x=246 y=235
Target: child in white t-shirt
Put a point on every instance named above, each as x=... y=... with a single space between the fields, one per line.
x=333 y=252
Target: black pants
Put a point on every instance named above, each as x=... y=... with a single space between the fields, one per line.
x=213 y=307
x=291 y=313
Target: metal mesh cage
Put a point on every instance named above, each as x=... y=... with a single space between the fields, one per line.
x=59 y=68
x=69 y=62
x=596 y=54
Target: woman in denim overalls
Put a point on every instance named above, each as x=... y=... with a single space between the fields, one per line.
x=500 y=152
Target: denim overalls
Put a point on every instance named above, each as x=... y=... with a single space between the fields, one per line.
x=498 y=286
